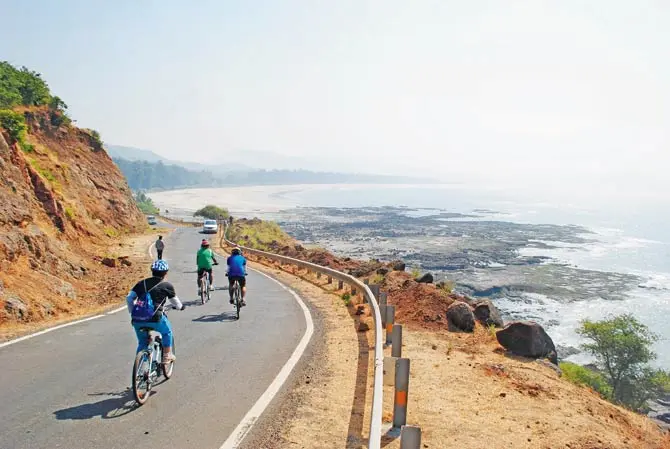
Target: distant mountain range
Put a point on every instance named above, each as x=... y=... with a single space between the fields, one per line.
x=146 y=170
x=138 y=154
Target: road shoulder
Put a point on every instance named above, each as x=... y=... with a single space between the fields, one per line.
x=314 y=409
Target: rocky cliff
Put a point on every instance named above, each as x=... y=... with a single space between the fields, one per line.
x=63 y=203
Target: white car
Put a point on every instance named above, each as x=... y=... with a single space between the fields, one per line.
x=210 y=227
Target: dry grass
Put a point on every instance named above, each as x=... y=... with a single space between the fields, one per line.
x=481 y=398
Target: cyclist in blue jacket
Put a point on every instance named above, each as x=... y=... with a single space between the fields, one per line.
x=161 y=293
x=237 y=271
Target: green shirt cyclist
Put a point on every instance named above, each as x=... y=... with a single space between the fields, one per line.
x=205 y=260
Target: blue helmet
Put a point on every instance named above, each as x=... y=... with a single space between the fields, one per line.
x=160 y=265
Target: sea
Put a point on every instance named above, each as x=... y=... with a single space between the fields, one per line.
x=629 y=233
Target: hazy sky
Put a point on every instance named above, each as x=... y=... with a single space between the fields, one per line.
x=547 y=90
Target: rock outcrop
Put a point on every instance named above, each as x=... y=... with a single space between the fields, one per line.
x=62 y=202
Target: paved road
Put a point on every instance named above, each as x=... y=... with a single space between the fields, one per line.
x=70 y=388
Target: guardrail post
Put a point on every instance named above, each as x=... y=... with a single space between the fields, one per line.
x=340 y=285
x=401 y=387
x=374 y=288
x=410 y=437
x=390 y=320
x=330 y=279
x=382 y=307
x=353 y=291
x=396 y=341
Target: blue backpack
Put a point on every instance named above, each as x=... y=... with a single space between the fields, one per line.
x=144 y=309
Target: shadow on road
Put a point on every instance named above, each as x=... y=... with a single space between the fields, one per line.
x=225 y=316
x=118 y=405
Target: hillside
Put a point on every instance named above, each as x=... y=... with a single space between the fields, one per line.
x=63 y=203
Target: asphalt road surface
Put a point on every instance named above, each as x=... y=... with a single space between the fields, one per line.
x=70 y=388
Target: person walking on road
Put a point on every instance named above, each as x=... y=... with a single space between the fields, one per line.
x=160 y=246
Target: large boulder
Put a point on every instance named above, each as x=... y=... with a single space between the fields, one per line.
x=460 y=317
x=425 y=279
x=398 y=265
x=527 y=339
x=487 y=314
x=14 y=306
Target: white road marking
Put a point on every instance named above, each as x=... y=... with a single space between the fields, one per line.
x=261 y=404
x=36 y=334
x=72 y=323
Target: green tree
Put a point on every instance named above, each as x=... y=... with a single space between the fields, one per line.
x=22 y=87
x=622 y=348
x=145 y=204
x=212 y=212
x=33 y=89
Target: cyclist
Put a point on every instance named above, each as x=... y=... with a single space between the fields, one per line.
x=161 y=292
x=205 y=259
x=237 y=270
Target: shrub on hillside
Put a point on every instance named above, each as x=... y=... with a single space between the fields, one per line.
x=15 y=125
x=582 y=375
x=212 y=212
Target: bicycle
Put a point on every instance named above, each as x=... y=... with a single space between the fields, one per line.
x=149 y=365
x=237 y=297
x=204 y=287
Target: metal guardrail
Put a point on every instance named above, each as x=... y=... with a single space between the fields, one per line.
x=374 y=441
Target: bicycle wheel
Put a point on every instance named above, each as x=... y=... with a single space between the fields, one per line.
x=169 y=367
x=238 y=301
x=141 y=377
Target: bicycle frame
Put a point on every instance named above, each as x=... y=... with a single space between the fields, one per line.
x=155 y=349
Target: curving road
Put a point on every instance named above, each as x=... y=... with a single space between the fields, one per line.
x=70 y=388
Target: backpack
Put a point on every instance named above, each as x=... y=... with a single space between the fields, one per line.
x=144 y=309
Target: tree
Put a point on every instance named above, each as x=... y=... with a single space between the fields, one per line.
x=622 y=348
x=212 y=212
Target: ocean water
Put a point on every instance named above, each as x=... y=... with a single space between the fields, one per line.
x=629 y=234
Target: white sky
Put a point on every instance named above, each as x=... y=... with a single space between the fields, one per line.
x=527 y=90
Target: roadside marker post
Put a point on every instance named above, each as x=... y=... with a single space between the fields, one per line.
x=390 y=321
x=401 y=387
x=374 y=288
x=396 y=341
x=410 y=437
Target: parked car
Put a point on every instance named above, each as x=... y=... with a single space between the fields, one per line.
x=210 y=227
x=151 y=220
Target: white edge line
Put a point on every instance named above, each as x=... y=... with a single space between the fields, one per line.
x=71 y=323
x=262 y=403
